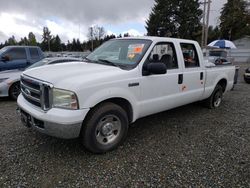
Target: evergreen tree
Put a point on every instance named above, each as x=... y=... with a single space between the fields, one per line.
x=46 y=37
x=74 y=45
x=213 y=33
x=12 y=41
x=32 y=39
x=69 y=46
x=235 y=20
x=56 y=44
x=24 y=41
x=108 y=37
x=126 y=35
x=63 y=47
x=188 y=17
x=175 y=18
x=78 y=45
x=6 y=43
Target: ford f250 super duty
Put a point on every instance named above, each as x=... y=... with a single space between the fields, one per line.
x=120 y=82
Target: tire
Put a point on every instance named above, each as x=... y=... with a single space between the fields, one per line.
x=247 y=80
x=14 y=90
x=105 y=129
x=215 y=100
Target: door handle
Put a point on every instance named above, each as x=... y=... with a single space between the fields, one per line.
x=201 y=76
x=180 y=79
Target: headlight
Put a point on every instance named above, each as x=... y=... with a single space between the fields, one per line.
x=3 y=79
x=64 y=99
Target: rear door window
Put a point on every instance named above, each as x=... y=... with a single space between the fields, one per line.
x=190 y=55
x=34 y=53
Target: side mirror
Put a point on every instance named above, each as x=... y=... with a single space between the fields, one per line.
x=155 y=68
x=5 y=58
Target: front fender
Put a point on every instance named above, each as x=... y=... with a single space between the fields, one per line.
x=101 y=95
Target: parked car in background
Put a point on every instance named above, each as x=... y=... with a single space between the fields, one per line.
x=9 y=83
x=10 y=80
x=54 y=60
x=247 y=76
x=19 y=57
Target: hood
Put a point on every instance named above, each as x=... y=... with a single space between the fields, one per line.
x=11 y=74
x=68 y=75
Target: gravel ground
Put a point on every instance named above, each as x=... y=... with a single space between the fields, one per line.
x=190 y=146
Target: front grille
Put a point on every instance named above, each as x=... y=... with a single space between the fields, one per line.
x=36 y=92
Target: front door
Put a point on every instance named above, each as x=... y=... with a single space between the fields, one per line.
x=161 y=92
x=17 y=59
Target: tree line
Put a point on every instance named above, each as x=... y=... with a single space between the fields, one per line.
x=171 y=18
x=96 y=36
x=182 y=19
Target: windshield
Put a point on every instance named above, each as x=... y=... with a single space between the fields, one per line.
x=2 y=50
x=39 y=63
x=121 y=52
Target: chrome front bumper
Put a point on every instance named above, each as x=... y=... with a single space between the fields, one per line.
x=58 y=123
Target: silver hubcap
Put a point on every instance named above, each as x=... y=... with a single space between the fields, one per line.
x=217 y=99
x=108 y=129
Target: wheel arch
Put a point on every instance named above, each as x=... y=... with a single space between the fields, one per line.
x=123 y=103
x=11 y=85
x=223 y=83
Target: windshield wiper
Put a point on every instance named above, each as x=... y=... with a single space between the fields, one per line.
x=109 y=62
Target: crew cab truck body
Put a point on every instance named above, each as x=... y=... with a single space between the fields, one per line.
x=19 y=57
x=120 y=82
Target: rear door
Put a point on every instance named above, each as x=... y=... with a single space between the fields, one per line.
x=17 y=58
x=34 y=55
x=193 y=79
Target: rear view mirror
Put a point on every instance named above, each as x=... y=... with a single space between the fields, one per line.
x=156 y=68
x=5 y=58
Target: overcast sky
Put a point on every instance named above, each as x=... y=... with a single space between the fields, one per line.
x=71 y=18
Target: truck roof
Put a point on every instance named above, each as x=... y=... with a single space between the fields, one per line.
x=158 y=39
x=18 y=46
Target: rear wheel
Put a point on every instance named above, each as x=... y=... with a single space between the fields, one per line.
x=247 y=80
x=105 y=129
x=215 y=100
x=14 y=90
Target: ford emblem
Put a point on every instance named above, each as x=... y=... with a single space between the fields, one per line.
x=27 y=92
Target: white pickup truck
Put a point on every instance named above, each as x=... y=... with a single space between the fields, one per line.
x=120 y=82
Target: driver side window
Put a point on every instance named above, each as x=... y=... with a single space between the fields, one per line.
x=164 y=53
x=16 y=53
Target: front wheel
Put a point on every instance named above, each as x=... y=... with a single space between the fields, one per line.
x=14 y=90
x=105 y=128
x=215 y=100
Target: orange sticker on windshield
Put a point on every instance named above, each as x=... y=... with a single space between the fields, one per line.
x=135 y=48
x=138 y=50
